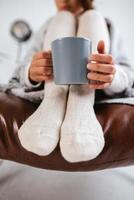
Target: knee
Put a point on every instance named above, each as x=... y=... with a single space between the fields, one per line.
x=92 y=15
x=64 y=14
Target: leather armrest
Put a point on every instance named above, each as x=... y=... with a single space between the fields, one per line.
x=117 y=121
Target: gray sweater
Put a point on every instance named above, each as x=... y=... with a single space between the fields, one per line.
x=120 y=91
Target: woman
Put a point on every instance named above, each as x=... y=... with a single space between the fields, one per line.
x=81 y=135
x=35 y=72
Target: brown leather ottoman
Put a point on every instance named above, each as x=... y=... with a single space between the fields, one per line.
x=117 y=121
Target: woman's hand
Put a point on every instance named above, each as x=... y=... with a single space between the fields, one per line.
x=41 y=68
x=102 y=68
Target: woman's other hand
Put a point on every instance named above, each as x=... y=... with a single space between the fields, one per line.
x=101 y=68
x=41 y=68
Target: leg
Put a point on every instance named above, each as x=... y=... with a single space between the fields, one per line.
x=40 y=132
x=93 y=26
x=82 y=136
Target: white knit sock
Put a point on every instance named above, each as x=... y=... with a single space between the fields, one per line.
x=40 y=132
x=82 y=136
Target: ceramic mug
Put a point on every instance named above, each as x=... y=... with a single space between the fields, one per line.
x=70 y=57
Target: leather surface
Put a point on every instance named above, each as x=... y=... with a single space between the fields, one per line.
x=117 y=121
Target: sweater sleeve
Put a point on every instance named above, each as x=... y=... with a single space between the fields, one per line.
x=124 y=76
x=36 y=46
x=27 y=81
x=120 y=82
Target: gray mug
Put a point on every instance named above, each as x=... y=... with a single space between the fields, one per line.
x=70 y=57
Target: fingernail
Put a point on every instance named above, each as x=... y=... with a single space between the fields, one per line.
x=88 y=75
x=88 y=66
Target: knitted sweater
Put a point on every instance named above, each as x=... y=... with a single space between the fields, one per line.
x=121 y=89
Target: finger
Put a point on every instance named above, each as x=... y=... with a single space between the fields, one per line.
x=47 y=69
x=101 y=47
x=42 y=62
x=105 y=68
x=50 y=52
x=102 y=58
x=100 y=77
x=42 y=54
x=43 y=78
x=48 y=72
x=44 y=70
x=99 y=86
x=49 y=77
x=41 y=71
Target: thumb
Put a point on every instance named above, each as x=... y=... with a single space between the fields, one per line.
x=101 y=47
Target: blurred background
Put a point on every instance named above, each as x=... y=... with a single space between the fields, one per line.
x=27 y=183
